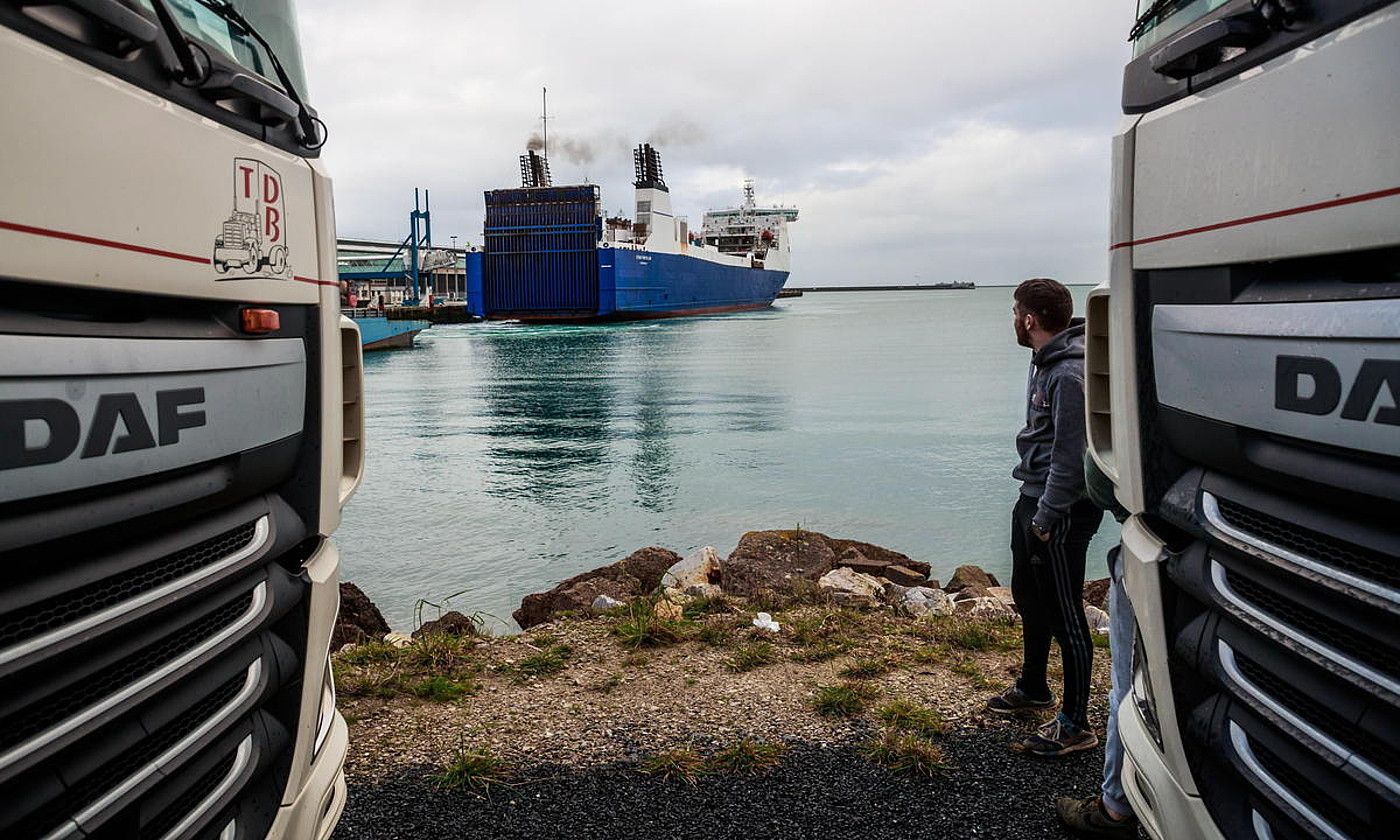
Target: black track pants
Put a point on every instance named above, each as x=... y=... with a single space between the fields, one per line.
x=1047 y=581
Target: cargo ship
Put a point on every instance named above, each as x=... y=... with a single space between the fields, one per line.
x=551 y=255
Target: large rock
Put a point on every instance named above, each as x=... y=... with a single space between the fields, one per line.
x=700 y=569
x=856 y=560
x=849 y=588
x=921 y=601
x=965 y=576
x=773 y=561
x=451 y=623
x=637 y=574
x=1004 y=595
x=987 y=609
x=873 y=559
x=359 y=620
x=1096 y=593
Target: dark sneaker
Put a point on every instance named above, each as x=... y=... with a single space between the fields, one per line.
x=1013 y=701
x=1059 y=737
x=1087 y=818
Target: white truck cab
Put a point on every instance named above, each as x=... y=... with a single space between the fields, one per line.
x=1243 y=378
x=179 y=426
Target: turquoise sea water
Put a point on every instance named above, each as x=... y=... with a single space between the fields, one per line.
x=504 y=458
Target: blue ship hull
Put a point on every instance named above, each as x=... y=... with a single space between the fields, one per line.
x=623 y=284
x=380 y=333
x=639 y=284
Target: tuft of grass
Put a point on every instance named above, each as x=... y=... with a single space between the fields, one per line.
x=716 y=635
x=369 y=653
x=682 y=763
x=842 y=700
x=930 y=654
x=972 y=671
x=820 y=652
x=970 y=635
x=905 y=752
x=476 y=771
x=1100 y=640
x=908 y=716
x=746 y=758
x=551 y=660
x=751 y=656
x=705 y=605
x=641 y=627
x=864 y=669
x=438 y=652
x=440 y=689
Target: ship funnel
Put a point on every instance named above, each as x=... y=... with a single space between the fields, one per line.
x=534 y=170
x=648 y=166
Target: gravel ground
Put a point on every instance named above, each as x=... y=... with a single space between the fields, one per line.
x=816 y=792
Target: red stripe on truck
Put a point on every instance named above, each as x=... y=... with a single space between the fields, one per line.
x=127 y=246
x=1264 y=217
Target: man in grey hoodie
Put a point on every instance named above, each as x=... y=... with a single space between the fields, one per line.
x=1052 y=522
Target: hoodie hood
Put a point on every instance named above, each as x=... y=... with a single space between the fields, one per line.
x=1068 y=344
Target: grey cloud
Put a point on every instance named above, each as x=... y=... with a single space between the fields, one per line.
x=866 y=114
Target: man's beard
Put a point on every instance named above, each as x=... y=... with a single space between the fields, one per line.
x=1023 y=335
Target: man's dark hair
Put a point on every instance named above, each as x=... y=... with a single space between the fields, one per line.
x=1048 y=300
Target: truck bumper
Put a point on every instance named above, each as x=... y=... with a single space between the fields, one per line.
x=315 y=796
x=1165 y=810
x=1156 y=779
x=316 y=809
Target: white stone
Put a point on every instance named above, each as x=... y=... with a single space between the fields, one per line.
x=920 y=601
x=398 y=640
x=851 y=588
x=605 y=602
x=1097 y=618
x=764 y=621
x=695 y=570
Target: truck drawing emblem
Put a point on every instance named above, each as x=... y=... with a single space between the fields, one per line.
x=1324 y=393
x=176 y=409
x=253 y=239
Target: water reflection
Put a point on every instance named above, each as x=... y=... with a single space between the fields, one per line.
x=548 y=395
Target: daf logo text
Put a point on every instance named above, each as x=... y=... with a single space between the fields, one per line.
x=49 y=430
x=1313 y=385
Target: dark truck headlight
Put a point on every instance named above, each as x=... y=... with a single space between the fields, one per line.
x=1143 y=695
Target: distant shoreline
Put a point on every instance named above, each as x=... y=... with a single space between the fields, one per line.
x=930 y=287
x=925 y=287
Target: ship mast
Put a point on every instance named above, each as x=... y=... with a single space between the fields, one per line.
x=544 y=120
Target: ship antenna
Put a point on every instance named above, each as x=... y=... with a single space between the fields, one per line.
x=544 y=120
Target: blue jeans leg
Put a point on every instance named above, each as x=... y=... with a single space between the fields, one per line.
x=1120 y=639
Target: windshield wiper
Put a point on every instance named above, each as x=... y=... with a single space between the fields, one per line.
x=1154 y=13
x=310 y=137
x=191 y=73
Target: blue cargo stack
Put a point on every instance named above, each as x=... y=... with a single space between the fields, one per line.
x=541 y=252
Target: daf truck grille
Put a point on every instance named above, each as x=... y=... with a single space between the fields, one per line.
x=153 y=628
x=1282 y=586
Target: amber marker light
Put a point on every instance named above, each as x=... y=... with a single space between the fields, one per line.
x=259 y=321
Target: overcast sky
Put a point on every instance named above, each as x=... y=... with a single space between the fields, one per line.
x=932 y=140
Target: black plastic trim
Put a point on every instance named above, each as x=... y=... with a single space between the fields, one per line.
x=1145 y=89
x=152 y=67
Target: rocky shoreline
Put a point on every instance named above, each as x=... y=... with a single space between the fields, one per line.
x=682 y=685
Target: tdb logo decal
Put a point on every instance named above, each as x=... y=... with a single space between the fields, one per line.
x=253 y=239
x=1324 y=393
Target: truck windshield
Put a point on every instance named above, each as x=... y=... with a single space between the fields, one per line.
x=1171 y=17
x=274 y=19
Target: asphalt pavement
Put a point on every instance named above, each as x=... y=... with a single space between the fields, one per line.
x=832 y=792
